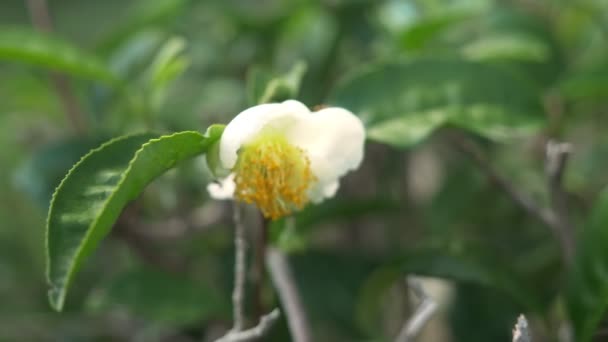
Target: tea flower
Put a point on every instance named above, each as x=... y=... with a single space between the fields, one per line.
x=282 y=156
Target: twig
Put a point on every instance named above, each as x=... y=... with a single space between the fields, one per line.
x=556 y=158
x=238 y=294
x=237 y=334
x=266 y=322
x=421 y=316
x=258 y=273
x=39 y=13
x=548 y=216
x=284 y=282
x=521 y=331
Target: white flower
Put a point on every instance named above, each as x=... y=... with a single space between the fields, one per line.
x=282 y=156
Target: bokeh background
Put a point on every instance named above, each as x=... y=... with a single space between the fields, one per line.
x=511 y=73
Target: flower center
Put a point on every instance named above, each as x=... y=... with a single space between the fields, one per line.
x=274 y=175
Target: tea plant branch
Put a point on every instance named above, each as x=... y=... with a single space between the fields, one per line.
x=282 y=277
x=258 y=273
x=41 y=19
x=238 y=293
x=421 y=316
x=556 y=159
x=520 y=331
x=257 y=332
x=548 y=216
x=237 y=334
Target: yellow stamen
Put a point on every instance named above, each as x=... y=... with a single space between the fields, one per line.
x=274 y=175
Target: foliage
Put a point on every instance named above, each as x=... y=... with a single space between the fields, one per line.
x=132 y=233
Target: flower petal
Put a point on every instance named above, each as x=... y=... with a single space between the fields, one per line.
x=247 y=124
x=333 y=139
x=223 y=189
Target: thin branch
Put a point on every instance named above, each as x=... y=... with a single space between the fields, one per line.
x=41 y=18
x=556 y=159
x=421 y=316
x=260 y=330
x=548 y=216
x=258 y=273
x=523 y=200
x=521 y=331
x=237 y=334
x=238 y=294
x=284 y=282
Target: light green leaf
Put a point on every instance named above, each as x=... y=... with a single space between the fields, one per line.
x=409 y=129
x=505 y=46
x=42 y=50
x=91 y=197
x=169 y=63
x=265 y=88
x=158 y=296
x=402 y=103
x=587 y=295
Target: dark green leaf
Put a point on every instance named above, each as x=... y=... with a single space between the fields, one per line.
x=90 y=198
x=587 y=295
x=437 y=262
x=294 y=235
x=585 y=84
x=402 y=103
x=40 y=174
x=155 y=295
x=425 y=30
x=38 y=49
x=143 y=14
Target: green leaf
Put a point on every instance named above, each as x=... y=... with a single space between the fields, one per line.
x=91 y=197
x=42 y=50
x=504 y=46
x=40 y=174
x=587 y=295
x=262 y=87
x=292 y=234
x=402 y=103
x=422 y=32
x=158 y=296
x=586 y=84
x=408 y=130
x=330 y=284
x=143 y=14
x=169 y=63
x=436 y=262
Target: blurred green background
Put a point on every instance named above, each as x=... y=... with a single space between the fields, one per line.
x=504 y=76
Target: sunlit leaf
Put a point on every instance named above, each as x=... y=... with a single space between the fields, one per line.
x=402 y=103
x=91 y=197
x=262 y=87
x=516 y=47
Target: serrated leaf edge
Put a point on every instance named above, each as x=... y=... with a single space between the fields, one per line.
x=58 y=305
